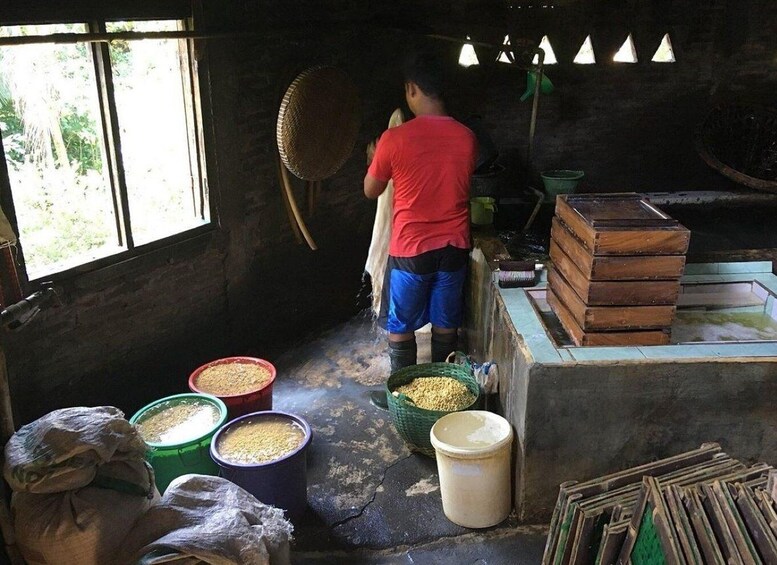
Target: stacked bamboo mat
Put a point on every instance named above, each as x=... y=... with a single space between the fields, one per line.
x=699 y=507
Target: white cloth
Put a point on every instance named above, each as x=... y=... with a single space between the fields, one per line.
x=381 y=232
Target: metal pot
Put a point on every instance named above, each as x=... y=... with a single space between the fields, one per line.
x=490 y=182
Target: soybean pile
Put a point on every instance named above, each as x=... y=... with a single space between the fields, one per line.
x=227 y=379
x=443 y=394
x=177 y=422
x=260 y=441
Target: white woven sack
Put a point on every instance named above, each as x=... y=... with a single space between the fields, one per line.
x=208 y=520
x=64 y=449
x=80 y=481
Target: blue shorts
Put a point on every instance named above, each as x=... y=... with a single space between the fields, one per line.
x=426 y=288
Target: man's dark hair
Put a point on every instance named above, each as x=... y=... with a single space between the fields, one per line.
x=427 y=71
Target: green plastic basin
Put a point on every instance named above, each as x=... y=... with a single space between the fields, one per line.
x=190 y=455
x=560 y=181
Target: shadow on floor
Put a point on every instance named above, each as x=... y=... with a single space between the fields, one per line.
x=370 y=499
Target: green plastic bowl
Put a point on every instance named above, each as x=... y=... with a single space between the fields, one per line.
x=171 y=460
x=560 y=181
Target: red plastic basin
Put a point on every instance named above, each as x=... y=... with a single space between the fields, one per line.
x=244 y=403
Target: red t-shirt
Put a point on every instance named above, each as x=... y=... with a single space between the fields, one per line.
x=431 y=160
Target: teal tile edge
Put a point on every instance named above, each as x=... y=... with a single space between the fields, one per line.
x=728 y=268
x=625 y=353
x=711 y=351
x=529 y=326
x=768 y=281
x=729 y=277
x=543 y=350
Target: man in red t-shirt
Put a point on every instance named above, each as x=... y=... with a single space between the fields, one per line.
x=430 y=160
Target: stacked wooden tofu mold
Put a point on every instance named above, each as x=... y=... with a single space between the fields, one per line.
x=617 y=262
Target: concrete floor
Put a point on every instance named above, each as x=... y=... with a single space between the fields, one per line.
x=370 y=499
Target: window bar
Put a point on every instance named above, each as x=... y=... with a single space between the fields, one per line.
x=110 y=119
x=199 y=143
x=192 y=73
x=104 y=37
x=188 y=93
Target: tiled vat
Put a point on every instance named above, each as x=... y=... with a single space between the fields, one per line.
x=581 y=412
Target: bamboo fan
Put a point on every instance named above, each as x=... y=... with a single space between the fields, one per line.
x=318 y=123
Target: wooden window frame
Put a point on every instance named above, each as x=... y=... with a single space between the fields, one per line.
x=194 y=74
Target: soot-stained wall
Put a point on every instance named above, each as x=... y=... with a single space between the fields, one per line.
x=628 y=126
x=130 y=333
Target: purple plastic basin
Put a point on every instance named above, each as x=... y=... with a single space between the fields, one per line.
x=281 y=483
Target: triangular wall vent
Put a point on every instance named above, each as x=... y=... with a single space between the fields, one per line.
x=585 y=56
x=664 y=53
x=550 y=56
x=503 y=57
x=467 y=56
x=627 y=53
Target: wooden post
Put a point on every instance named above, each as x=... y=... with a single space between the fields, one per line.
x=6 y=431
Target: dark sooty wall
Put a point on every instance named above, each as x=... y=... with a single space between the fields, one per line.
x=131 y=333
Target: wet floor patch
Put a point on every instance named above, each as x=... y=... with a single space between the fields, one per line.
x=366 y=490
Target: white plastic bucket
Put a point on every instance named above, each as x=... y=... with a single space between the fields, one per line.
x=473 y=461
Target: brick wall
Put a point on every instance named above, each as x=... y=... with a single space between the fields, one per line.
x=630 y=126
x=129 y=334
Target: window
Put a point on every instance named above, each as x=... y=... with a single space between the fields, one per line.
x=102 y=142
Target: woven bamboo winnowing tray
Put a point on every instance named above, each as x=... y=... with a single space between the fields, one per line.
x=318 y=123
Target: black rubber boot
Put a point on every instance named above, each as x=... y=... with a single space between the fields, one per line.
x=402 y=354
x=443 y=345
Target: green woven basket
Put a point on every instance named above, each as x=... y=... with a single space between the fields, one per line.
x=412 y=423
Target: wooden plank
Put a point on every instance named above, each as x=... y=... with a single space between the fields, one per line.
x=573 y=247
x=604 y=318
x=708 y=543
x=663 y=523
x=579 y=337
x=566 y=525
x=682 y=525
x=566 y=318
x=555 y=521
x=767 y=507
x=576 y=224
x=615 y=293
x=612 y=540
x=736 y=524
x=621 y=225
x=628 y=242
x=616 y=267
x=630 y=538
x=720 y=295
x=720 y=528
x=757 y=526
x=571 y=492
x=564 y=553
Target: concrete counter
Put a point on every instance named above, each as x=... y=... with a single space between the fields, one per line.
x=582 y=412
